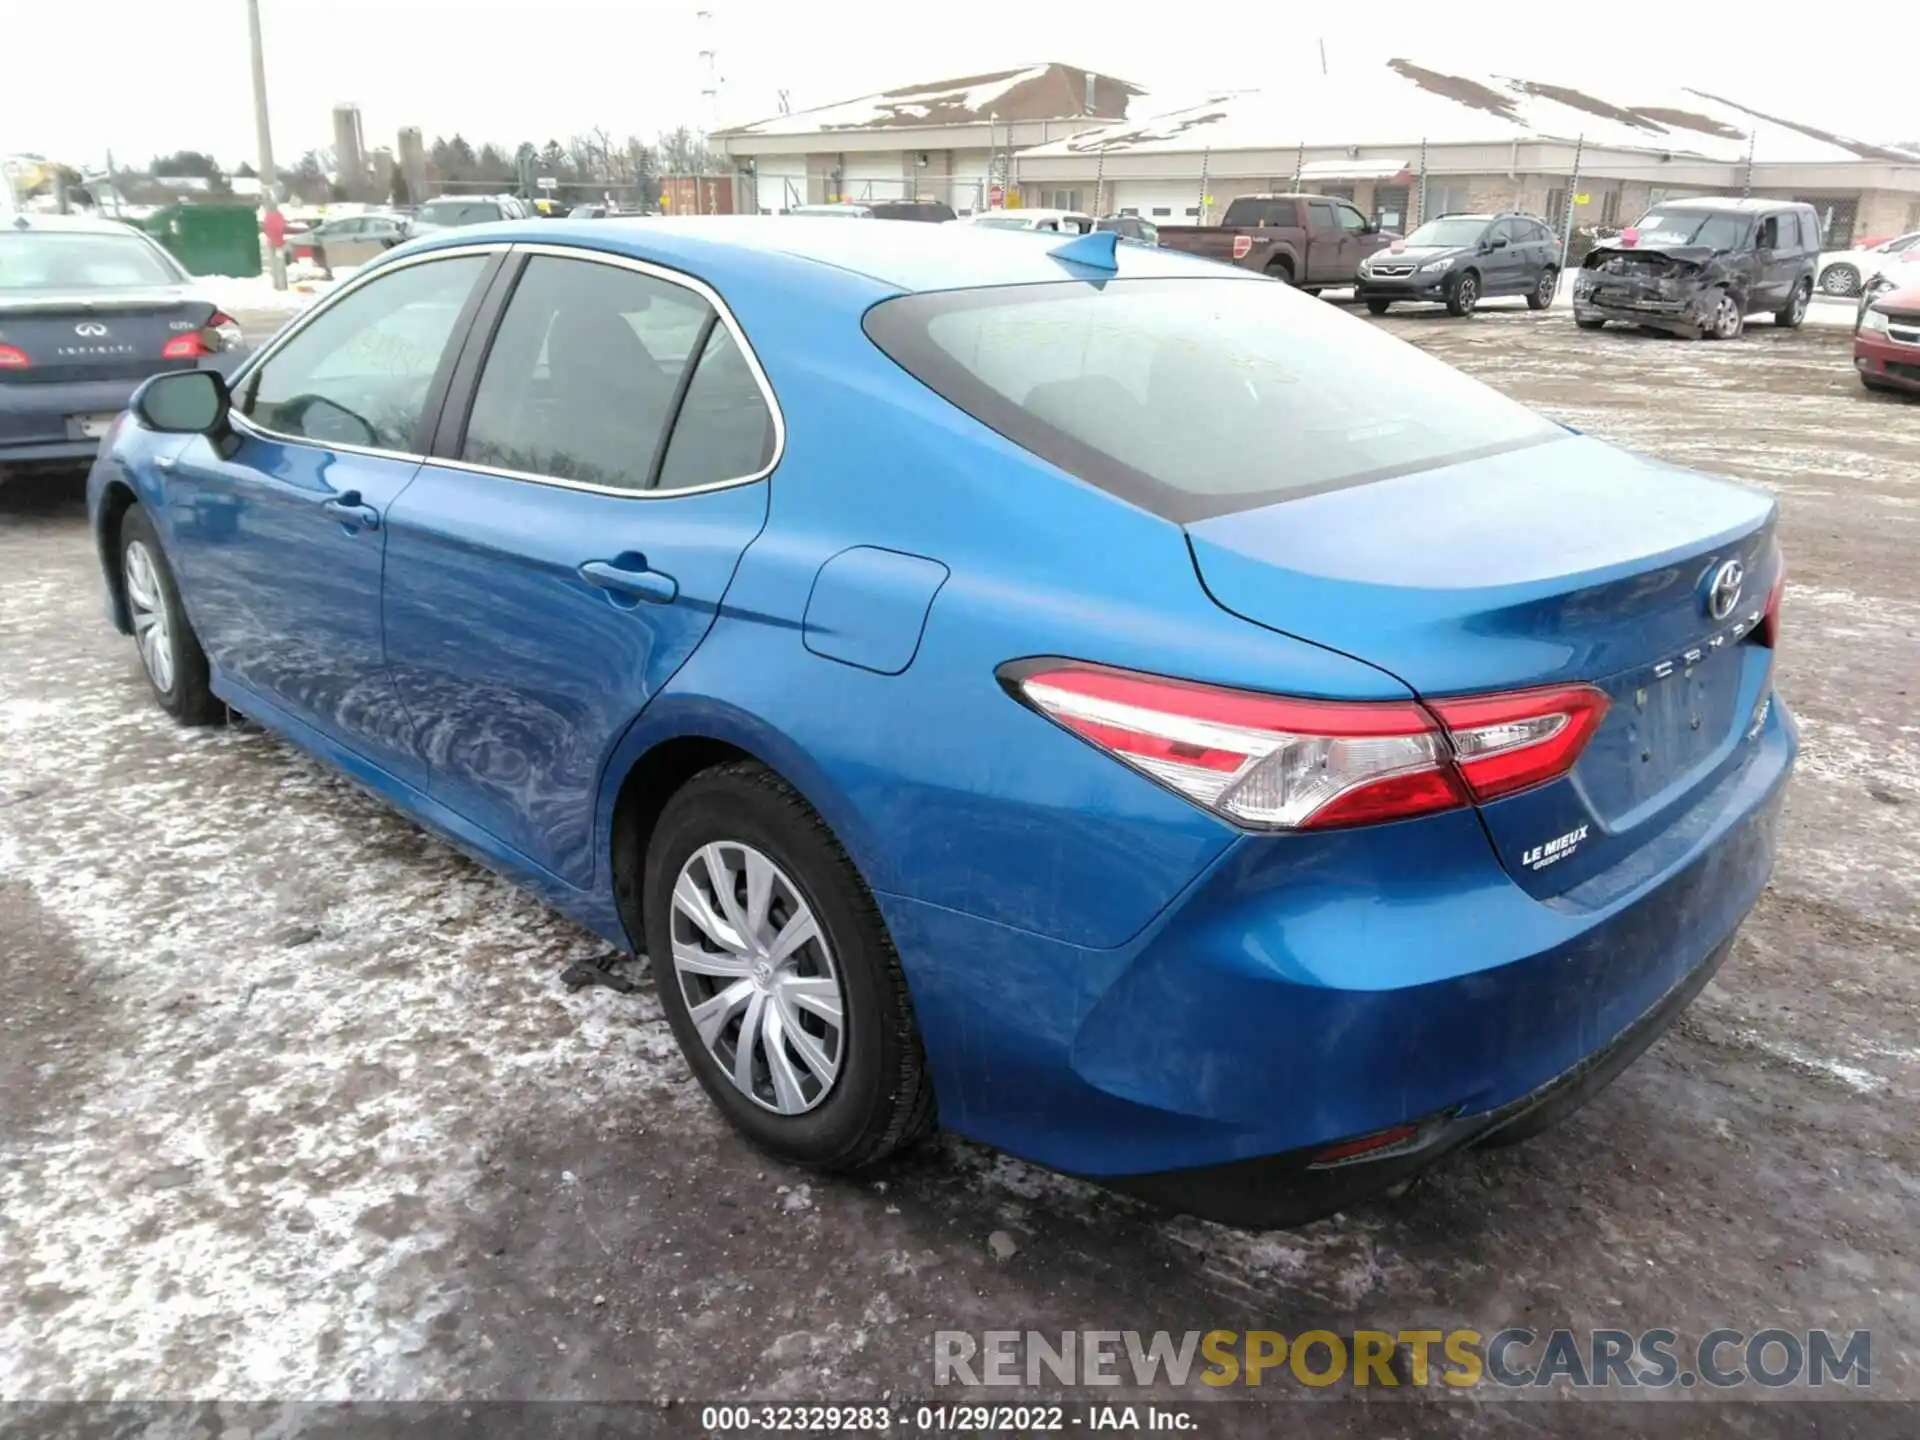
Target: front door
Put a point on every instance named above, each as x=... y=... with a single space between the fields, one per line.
x=1325 y=239
x=280 y=533
x=1505 y=265
x=571 y=547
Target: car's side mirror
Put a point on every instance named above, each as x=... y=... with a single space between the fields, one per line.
x=187 y=402
x=1499 y=242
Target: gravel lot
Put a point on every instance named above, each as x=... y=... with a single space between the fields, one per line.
x=294 y=1105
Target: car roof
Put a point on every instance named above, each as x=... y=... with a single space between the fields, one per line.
x=1733 y=205
x=82 y=224
x=902 y=257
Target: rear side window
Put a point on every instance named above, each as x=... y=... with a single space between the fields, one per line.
x=1258 y=212
x=359 y=373
x=1197 y=397
x=589 y=367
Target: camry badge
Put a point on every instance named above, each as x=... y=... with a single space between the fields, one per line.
x=1723 y=593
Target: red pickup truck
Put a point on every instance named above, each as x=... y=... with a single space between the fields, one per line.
x=1312 y=241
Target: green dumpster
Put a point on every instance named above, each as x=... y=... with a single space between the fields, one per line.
x=209 y=239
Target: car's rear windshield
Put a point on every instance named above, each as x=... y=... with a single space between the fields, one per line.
x=460 y=212
x=1714 y=229
x=76 y=260
x=1197 y=397
x=1459 y=230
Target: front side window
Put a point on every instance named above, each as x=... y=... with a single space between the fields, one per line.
x=584 y=377
x=358 y=374
x=1197 y=397
x=1350 y=218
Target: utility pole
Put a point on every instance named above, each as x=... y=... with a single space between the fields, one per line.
x=1573 y=188
x=263 y=136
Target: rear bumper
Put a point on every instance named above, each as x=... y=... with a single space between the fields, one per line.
x=1302 y=993
x=37 y=423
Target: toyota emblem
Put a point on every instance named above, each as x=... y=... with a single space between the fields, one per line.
x=90 y=327
x=1723 y=592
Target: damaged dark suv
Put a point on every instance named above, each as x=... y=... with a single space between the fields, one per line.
x=1701 y=267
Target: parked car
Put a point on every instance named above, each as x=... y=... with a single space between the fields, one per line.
x=600 y=211
x=1312 y=241
x=1698 y=268
x=1886 y=336
x=948 y=707
x=1069 y=222
x=1458 y=260
x=88 y=309
x=930 y=211
x=348 y=239
x=1846 y=272
x=453 y=211
x=1130 y=227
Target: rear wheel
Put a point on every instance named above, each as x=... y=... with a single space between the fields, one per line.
x=1840 y=280
x=1589 y=322
x=1378 y=307
x=1796 y=310
x=1464 y=294
x=1280 y=271
x=1541 y=296
x=170 y=652
x=778 y=976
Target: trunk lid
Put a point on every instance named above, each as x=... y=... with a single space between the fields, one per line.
x=1557 y=563
x=98 y=335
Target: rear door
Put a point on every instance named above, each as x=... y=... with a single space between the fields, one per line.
x=279 y=538
x=593 y=485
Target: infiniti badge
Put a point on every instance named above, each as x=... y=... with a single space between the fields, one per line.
x=1723 y=593
x=88 y=327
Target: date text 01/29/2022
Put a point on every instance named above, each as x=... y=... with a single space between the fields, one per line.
x=944 y=1419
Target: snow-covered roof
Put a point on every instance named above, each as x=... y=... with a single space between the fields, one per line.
x=1402 y=104
x=1050 y=91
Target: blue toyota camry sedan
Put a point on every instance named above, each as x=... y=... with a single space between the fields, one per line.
x=1144 y=717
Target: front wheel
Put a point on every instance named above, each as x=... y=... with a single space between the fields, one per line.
x=1589 y=322
x=1795 y=313
x=1464 y=295
x=1728 y=320
x=777 y=974
x=1378 y=307
x=1541 y=296
x=170 y=652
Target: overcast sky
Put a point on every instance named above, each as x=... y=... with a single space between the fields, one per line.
x=142 y=77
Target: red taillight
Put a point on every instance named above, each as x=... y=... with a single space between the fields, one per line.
x=184 y=347
x=1241 y=245
x=221 y=332
x=1505 y=743
x=1273 y=762
x=1394 y=1136
x=12 y=357
x=1767 y=632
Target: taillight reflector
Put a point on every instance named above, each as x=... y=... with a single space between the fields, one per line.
x=12 y=357
x=184 y=347
x=1275 y=762
x=1242 y=244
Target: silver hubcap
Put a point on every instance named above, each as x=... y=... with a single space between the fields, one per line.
x=758 y=978
x=1469 y=292
x=1727 y=318
x=1546 y=286
x=1800 y=298
x=1839 y=281
x=150 y=629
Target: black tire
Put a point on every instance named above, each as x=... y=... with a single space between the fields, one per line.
x=1795 y=315
x=1280 y=271
x=882 y=1097
x=1463 y=294
x=187 y=695
x=1378 y=307
x=1841 y=279
x=1589 y=322
x=1541 y=296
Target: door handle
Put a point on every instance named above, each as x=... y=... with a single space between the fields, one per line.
x=351 y=511
x=629 y=575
